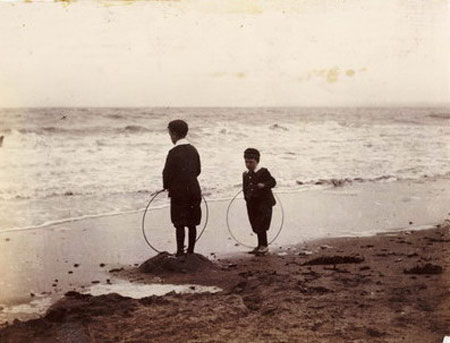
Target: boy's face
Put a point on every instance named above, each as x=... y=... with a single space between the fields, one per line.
x=173 y=136
x=251 y=164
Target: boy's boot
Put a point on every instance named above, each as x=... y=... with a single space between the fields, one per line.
x=255 y=250
x=192 y=239
x=264 y=248
x=180 y=241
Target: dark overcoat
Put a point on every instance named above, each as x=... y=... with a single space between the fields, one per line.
x=180 y=174
x=259 y=200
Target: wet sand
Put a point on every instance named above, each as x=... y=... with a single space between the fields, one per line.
x=39 y=266
x=392 y=287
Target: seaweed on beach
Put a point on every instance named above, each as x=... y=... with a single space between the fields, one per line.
x=437 y=240
x=425 y=269
x=327 y=260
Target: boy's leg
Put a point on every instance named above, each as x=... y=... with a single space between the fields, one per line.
x=192 y=239
x=180 y=239
x=262 y=238
x=253 y=219
x=266 y=219
x=264 y=225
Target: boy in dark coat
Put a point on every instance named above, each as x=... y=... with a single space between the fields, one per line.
x=180 y=179
x=257 y=186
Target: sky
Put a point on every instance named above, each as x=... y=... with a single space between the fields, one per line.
x=224 y=53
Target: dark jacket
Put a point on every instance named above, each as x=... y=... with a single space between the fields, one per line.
x=252 y=193
x=180 y=172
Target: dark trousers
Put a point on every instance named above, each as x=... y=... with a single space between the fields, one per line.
x=185 y=211
x=260 y=217
x=262 y=239
x=180 y=234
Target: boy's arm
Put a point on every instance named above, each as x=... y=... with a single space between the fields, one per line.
x=199 y=165
x=268 y=180
x=168 y=171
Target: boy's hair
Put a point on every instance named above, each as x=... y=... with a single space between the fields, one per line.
x=178 y=127
x=252 y=153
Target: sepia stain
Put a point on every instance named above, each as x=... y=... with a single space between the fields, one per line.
x=333 y=75
x=111 y=3
x=330 y=75
x=350 y=72
x=65 y=2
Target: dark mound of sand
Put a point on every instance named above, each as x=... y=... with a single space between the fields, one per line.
x=165 y=263
x=85 y=306
x=425 y=269
x=68 y=319
x=323 y=260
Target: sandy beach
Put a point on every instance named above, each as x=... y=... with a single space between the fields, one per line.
x=306 y=301
x=387 y=288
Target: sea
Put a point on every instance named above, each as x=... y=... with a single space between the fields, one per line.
x=66 y=164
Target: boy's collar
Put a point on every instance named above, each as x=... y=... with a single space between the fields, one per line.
x=182 y=141
x=256 y=169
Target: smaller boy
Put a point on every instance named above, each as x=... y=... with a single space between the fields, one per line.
x=257 y=186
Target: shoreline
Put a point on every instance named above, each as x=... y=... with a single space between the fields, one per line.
x=370 y=295
x=56 y=222
x=319 y=185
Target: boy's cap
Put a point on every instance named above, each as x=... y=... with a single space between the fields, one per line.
x=179 y=127
x=252 y=153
